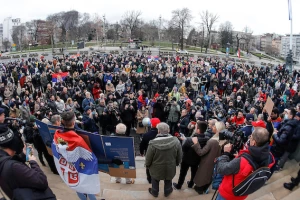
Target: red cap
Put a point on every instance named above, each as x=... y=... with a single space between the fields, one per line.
x=154 y=122
x=259 y=123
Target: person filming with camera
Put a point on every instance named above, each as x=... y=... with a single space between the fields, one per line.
x=236 y=171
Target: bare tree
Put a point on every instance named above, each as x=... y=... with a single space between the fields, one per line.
x=226 y=33
x=32 y=29
x=131 y=21
x=180 y=21
x=18 y=36
x=67 y=22
x=6 y=44
x=247 y=36
x=208 y=19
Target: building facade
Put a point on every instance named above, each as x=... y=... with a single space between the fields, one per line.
x=285 y=46
x=8 y=25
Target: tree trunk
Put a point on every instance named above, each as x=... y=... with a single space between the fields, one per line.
x=181 y=44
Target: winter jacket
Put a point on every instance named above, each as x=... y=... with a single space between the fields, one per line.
x=90 y=124
x=208 y=155
x=60 y=105
x=241 y=168
x=190 y=157
x=86 y=102
x=184 y=122
x=147 y=137
x=163 y=155
x=174 y=113
x=16 y=174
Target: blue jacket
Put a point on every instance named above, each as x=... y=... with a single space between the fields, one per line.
x=107 y=77
x=86 y=102
x=90 y=124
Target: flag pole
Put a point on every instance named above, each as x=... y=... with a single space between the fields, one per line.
x=291 y=21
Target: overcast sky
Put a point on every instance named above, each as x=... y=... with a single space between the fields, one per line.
x=262 y=16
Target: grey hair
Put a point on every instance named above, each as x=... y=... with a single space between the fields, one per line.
x=121 y=128
x=163 y=128
x=260 y=116
x=220 y=126
x=55 y=118
x=87 y=93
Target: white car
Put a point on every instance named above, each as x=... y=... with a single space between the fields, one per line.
x=182 y=51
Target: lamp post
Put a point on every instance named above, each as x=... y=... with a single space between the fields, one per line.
x=159 y=36
x=104 y=30
x=289 y=58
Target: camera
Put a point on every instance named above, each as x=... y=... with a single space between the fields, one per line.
x=235 y=138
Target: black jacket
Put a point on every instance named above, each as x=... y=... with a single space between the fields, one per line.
x=184 y=122
x=29 y=133
x=150 y=135
x=284 y=136
x=190 y=157
x=16 y=174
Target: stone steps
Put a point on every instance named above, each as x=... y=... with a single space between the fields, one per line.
x=144 y=195
x=275 y=184
x=294 y=195
x=139 y=191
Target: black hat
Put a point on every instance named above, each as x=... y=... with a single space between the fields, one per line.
x=2 y=111
x=10 y=140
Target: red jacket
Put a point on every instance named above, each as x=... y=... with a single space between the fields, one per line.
x=226 y=186
x=96 y=92
x=238 y=121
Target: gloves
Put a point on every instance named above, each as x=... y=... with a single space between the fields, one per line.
x=117 y=161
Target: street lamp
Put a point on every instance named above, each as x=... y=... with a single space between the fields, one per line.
x=104 y=30
x=159 y=34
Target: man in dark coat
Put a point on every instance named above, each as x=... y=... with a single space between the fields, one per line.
x=190 y=157
x=150 y=135
x=183 y=123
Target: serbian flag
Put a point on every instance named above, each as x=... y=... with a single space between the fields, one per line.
x=238 y=53
x=57 y=76
x=75 y=162
x=156 y=58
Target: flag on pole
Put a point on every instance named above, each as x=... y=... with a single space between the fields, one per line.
x=238 y=53
x=290 y=9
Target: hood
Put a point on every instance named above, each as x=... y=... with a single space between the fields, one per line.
x=164 y=142
x=260 y=154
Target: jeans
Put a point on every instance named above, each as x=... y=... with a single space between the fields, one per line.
x=86 y=196
x=219 y=197
x=283 y=159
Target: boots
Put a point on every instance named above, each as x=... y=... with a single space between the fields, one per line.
x=292 y=184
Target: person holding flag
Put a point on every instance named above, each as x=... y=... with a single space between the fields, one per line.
x=75 y=162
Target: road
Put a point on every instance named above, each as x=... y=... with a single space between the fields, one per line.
x=154 y=50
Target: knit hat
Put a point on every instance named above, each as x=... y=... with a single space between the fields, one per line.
x=32 y=118
x=154 y=122
x=10 y=140
x=2 y=111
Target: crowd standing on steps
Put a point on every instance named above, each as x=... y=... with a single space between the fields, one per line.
x=193 y=104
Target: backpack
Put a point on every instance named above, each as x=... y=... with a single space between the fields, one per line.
x=254 y=180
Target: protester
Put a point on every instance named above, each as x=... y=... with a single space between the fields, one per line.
x=240 y=166
x=163 y=155
x=190 y=159
x=147 y=137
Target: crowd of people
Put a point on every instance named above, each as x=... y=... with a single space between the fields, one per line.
x=191 y=103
